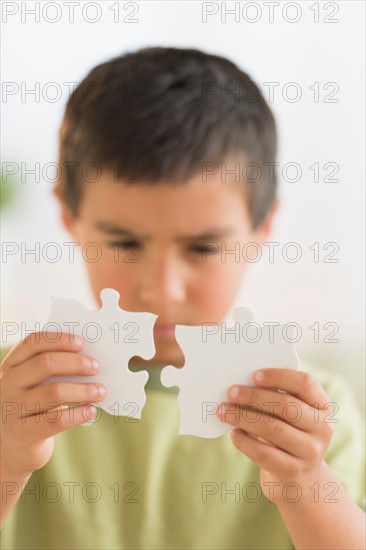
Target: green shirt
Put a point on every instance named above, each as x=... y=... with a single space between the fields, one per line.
x=125 y=483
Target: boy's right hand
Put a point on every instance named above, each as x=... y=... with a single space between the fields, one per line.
x=32 y=412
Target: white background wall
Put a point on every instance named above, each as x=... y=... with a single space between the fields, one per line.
x=305 y=52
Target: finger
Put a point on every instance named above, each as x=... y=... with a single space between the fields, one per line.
x=272 y=429
x=53 y=421
x=275 y=404
x=61 y=393
x=298 y=383
x=39 y=342
x=272 y=459
x=47 y=364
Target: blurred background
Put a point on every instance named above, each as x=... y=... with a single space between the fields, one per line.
x=312 y=53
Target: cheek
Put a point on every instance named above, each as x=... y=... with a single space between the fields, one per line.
x=215 y=290
x=109 y=275
x=210 y=292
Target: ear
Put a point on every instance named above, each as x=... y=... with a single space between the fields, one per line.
x=265 y=229
x=67 y=218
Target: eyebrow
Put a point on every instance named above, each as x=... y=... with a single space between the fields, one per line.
x=211 y=235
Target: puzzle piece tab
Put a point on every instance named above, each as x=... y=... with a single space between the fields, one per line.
x=216 y=357
x=112 y=336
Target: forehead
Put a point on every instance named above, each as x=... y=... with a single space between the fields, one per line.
x=165 y=205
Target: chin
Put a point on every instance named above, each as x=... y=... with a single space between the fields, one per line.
x=167 y=353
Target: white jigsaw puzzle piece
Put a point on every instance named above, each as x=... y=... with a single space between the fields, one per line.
x=213 y=362
x=112 y=336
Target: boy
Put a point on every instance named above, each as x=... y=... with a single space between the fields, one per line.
x=138 y=133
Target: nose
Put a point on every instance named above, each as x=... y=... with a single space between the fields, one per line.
x=162 y=284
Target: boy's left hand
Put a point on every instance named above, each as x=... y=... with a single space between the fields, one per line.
x=296 y=428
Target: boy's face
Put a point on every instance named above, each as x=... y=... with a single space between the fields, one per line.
x=151 y=240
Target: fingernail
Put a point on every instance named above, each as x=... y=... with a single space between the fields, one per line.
x=259 y=376
x=77 y=341
x=95 y=364
x=92 y=410
x=234 y=391
x=101 y=391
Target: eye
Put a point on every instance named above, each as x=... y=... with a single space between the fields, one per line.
x=123 y=245
x=204 y=249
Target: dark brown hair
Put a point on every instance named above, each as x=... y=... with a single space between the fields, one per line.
x=161 y=114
